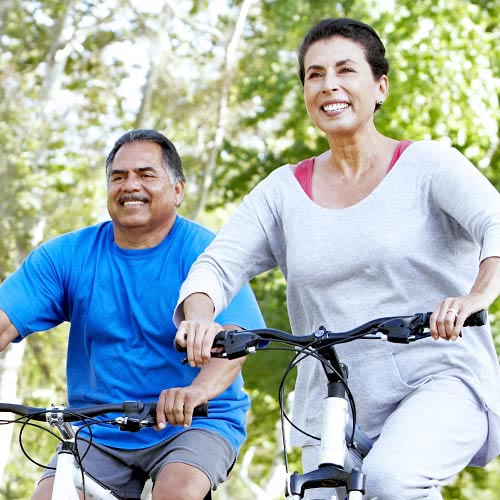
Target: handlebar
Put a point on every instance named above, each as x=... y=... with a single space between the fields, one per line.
x=138 y=414
x=233 y=344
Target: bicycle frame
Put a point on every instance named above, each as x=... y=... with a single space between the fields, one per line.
x=68 y=480
x=69 y=477
x=340 y=461
x=337 y=467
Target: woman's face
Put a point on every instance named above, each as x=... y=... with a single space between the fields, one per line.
x=340 y=92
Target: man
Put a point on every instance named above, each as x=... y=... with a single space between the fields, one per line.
x=117 y=284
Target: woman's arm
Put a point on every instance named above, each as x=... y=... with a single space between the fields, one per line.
x=460 y=190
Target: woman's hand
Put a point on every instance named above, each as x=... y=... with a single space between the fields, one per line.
x=197 y=337
x=448 y=318
x=197 y=332
x=450 y=314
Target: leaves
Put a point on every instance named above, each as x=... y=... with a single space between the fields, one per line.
x=75 y=74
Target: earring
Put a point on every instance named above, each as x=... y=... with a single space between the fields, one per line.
x=380 y=102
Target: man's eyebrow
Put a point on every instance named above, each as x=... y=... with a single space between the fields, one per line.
x=139 y=169
x=117 y=171
x=145 y=169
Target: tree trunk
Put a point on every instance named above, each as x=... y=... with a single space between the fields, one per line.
x=159 y=43
x=57 y=56
x=4 y=10
x=222 y=110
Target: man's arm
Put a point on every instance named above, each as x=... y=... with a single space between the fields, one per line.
x=176 y=405
x=8 y=332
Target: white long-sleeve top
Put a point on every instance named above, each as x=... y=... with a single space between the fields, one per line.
x=417 y=238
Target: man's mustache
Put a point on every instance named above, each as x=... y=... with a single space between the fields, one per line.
x=132 y=197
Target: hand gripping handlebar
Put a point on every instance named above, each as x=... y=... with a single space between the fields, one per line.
x=398 y=329
x=138 y=414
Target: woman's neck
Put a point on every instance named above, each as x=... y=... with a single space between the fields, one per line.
x=352 y=156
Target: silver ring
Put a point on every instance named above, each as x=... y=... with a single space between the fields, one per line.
x=451 y=310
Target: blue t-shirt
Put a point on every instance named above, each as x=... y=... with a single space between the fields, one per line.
x=120 y=304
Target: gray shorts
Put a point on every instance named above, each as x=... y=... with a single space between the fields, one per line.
x=126 y=471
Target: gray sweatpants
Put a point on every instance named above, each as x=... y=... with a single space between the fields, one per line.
x=424 y=443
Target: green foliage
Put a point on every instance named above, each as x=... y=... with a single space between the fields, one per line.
x=476 y=483
x=42 y=381
x=71 y=81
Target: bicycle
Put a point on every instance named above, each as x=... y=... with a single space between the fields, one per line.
x=343 y=444
x=70 y=474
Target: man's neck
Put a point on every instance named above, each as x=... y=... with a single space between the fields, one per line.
x=138 y=238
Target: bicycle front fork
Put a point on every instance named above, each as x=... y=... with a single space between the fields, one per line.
x=327 y=476
x=331 y=472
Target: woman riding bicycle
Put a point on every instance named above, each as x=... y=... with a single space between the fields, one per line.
x=372 y=227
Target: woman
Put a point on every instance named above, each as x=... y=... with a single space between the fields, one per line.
x=372 y=227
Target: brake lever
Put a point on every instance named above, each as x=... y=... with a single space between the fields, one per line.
x=137 y=415
x=235 y=344
x=410 y=328
x=400 y=330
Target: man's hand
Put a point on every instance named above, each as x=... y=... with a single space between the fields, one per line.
x=176 y=405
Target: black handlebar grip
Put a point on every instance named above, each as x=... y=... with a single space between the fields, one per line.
x=199 y=411
x=179 y=348
x=476 y=319
x=221 y=336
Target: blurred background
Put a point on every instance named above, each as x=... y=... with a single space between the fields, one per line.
x=219 y=78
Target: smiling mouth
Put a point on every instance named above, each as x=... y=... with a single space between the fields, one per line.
x=337 y=106
x=133 y=203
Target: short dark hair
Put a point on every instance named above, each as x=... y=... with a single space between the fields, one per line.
x=348 y=28
x=171 y=159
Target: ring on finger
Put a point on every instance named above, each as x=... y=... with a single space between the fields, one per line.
x=454 y=311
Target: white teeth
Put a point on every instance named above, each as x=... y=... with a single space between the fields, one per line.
x=133 y=203
x=336 y=106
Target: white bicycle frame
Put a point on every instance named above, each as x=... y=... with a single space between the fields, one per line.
x=68 y=478
x=340 y=457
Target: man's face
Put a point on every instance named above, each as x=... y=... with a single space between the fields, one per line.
x=142 y=201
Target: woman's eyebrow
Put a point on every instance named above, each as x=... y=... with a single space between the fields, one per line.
x=337 y=64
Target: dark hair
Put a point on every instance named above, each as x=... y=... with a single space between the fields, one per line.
x=171 y=159
x=348 y=28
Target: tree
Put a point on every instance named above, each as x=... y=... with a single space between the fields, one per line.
x=221 y=83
